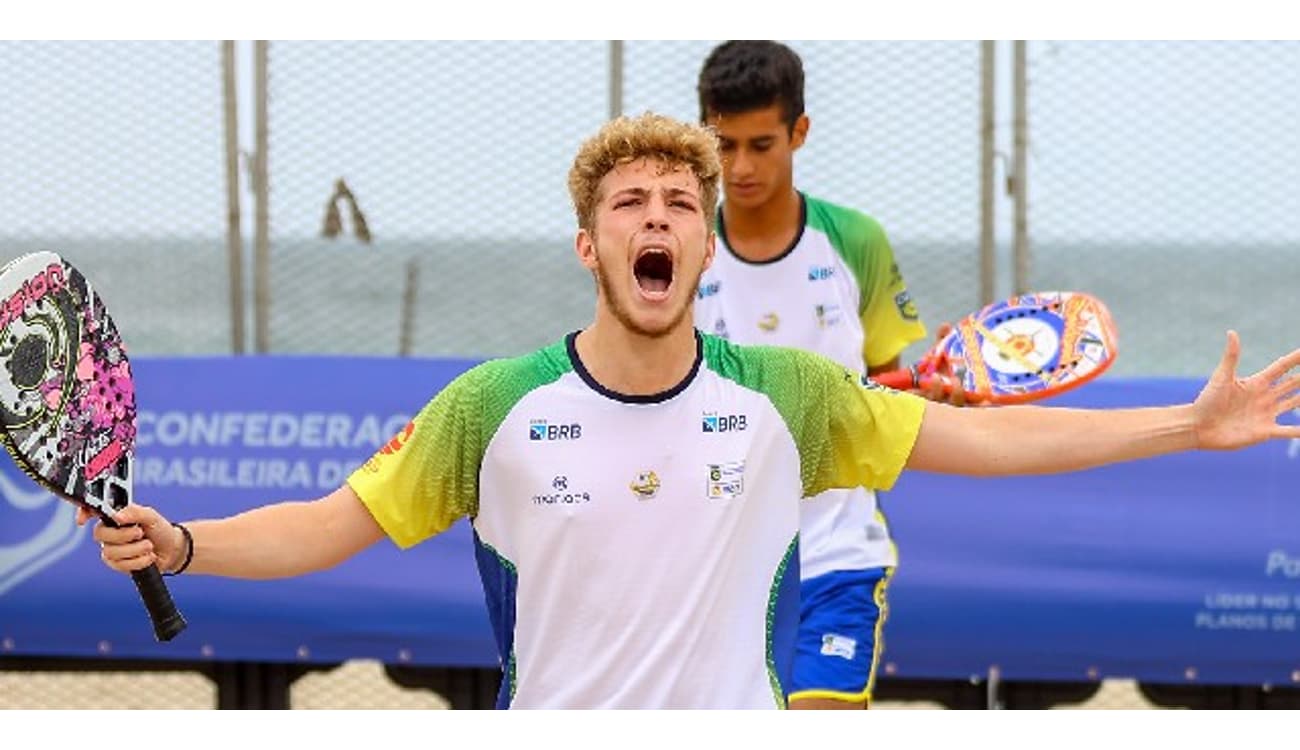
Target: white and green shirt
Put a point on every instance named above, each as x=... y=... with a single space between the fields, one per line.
x=836 y=291
x=639 y=551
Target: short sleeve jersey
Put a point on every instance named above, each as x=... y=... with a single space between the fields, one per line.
x=639 y=551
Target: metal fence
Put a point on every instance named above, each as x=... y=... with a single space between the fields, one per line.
x=1164 y=177
x=1159 y=177
x=456 y=155
x=112 y=154
x=451 y=155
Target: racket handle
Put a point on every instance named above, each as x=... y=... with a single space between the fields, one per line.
x=167 y=620
x=899 y=380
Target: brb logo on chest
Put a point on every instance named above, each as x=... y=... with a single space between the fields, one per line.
x=540 y=429
x=715 y=422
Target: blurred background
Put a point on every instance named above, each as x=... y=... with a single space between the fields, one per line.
x=408 y=199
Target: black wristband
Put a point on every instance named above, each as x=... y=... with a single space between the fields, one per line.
x=189 y=550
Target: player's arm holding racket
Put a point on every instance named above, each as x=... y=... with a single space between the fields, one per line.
x=410 y=489
x=1230 y=412
x=273 y=541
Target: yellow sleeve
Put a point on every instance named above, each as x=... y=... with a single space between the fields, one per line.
x=850 y=431
x=871 y=433
x=889 y=316
x=424 y=479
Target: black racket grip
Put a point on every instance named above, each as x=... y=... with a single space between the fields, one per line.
x=167 y=620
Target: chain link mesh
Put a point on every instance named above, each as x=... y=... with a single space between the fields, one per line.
x=457 y=155
x=113 y=156
x=1164 y=179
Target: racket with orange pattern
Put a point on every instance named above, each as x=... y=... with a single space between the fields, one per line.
x=1026 y=348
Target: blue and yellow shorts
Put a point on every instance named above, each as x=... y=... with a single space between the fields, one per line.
x=842 y=614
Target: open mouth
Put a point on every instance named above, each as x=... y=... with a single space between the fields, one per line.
x=654 y=272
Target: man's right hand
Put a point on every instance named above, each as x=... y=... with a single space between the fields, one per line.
x=143 y=538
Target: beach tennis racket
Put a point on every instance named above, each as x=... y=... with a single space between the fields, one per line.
x=67 y=400
x=1023 y=349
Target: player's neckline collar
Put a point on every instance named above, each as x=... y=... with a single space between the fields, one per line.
x=570 y=344
x=803 y=224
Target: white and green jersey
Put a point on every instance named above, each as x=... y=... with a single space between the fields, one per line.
x=836 y=291
x=639 y=551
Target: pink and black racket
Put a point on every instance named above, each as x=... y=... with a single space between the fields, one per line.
x=67 y=400
x=1023 y=349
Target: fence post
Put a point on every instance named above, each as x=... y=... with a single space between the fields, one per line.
x=261 y=238
x=615 y=78
x=408 y=306
x=1020 y=184
x=988 y=156
x=234 y=233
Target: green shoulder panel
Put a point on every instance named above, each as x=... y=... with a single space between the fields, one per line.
x=427 y=476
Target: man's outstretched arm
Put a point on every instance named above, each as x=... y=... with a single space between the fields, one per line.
x=1229 y=413
x=273 y=541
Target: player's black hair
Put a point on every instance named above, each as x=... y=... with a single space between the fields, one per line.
x=745 y=75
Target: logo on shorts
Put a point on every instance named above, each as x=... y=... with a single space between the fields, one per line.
x=769 y=322
x=646 y=485
x=834 y=644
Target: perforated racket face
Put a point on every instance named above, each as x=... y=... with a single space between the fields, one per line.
x=67 y=399
x=1031 y=346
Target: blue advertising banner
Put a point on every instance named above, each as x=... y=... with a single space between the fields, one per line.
x=1179 y=569
x=219 y=436
x=1183 y=569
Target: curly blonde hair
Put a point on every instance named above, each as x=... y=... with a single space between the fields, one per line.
x=627 y=139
